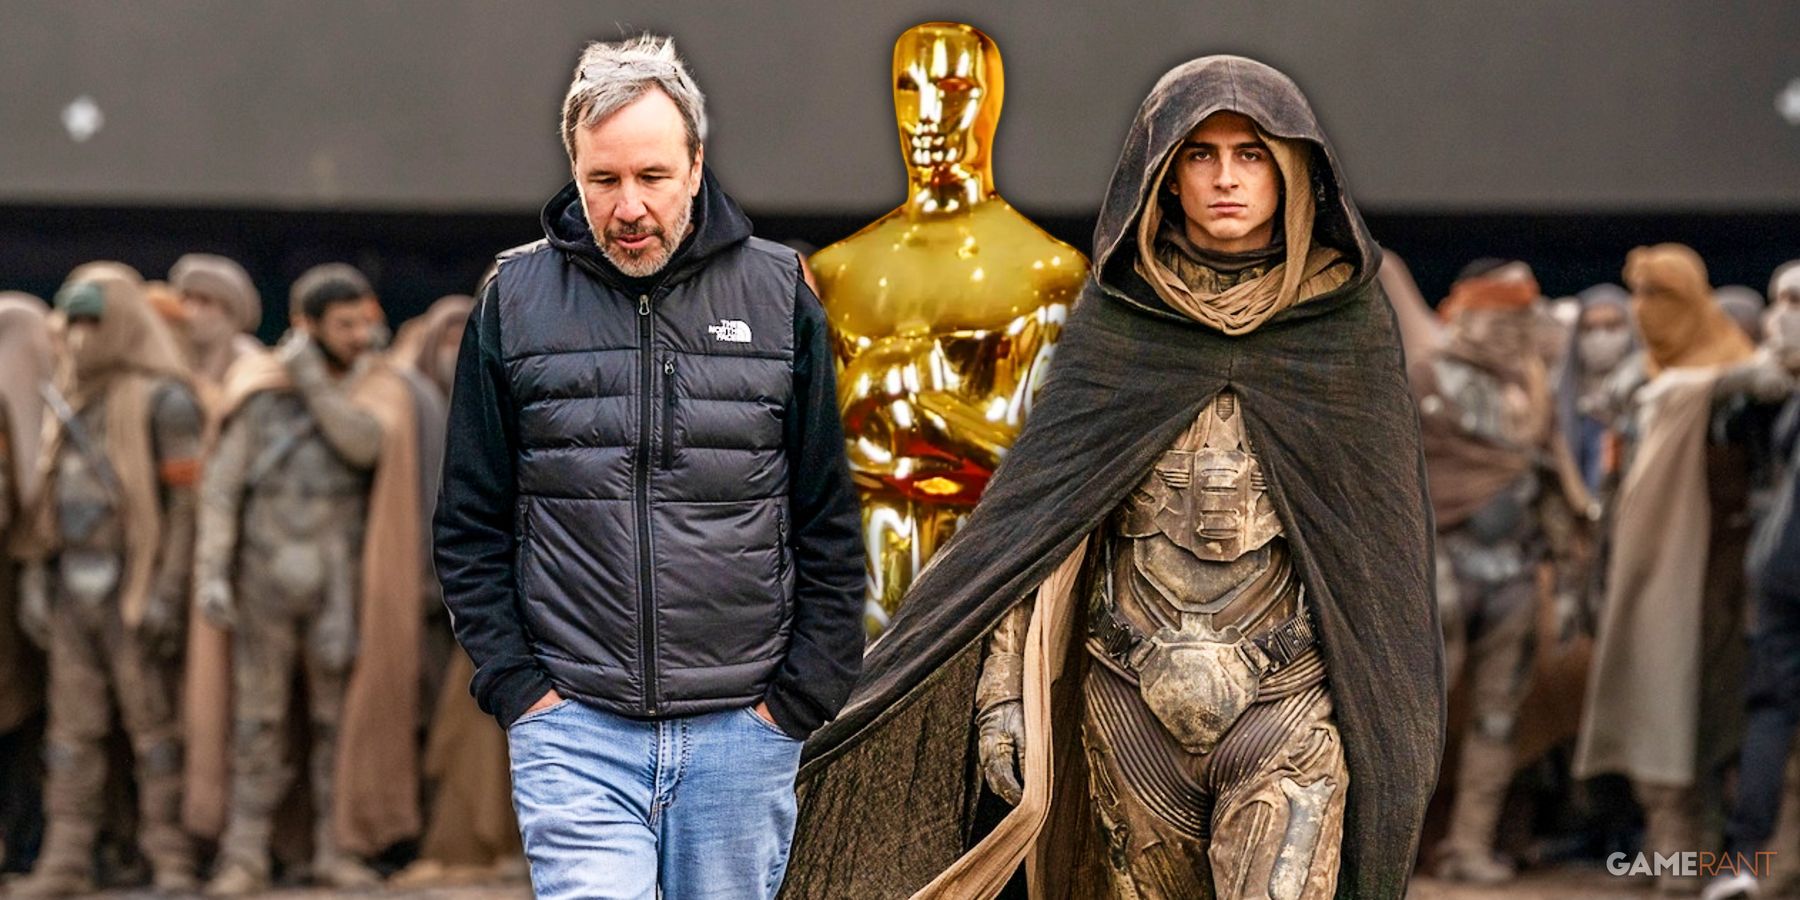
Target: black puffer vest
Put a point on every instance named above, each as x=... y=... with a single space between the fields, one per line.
x=654 y=571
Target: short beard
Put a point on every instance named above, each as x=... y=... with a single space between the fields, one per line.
x=650 y=260
x=335 y=362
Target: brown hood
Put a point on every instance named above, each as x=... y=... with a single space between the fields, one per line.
x=1183 y=99
x=1240 y=308
x=222 y=279
x=130 y=339
x=415 y=346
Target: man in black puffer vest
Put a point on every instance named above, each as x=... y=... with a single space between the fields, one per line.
x=647 y=535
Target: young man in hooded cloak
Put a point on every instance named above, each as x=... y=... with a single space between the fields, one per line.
x=1202 y=577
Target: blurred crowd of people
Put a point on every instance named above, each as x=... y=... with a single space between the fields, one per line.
x=222 y=650
x=224 y=662
x=1618 y=560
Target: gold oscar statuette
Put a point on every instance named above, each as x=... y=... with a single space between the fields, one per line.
x=944 y=313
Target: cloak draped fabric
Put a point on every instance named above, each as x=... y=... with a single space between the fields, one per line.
x=25 y=363
x=416 y=344
x=377 y=759
x=471 y=822
x=1643 y=711
x=1420 y=331
x=889 y=792
x=206 y=711
x=206 y=673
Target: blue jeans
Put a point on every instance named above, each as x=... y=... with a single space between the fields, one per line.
x=612 y=807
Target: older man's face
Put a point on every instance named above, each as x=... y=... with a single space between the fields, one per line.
x=638 y=182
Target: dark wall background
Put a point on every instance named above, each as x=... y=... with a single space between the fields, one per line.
x=415 y=138
x=451 y=105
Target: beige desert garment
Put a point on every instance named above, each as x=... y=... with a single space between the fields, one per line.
x=1643 y=716
x=377 y=757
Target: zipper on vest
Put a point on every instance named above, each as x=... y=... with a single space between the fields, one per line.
x=668 y=446
x=781 y=548
x=646 y=586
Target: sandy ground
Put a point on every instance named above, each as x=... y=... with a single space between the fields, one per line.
x=1560 y=884
x=476 y=892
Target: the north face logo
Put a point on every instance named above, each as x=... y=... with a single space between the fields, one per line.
x=731 y=331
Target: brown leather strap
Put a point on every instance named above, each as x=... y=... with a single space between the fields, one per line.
x=1127 y=646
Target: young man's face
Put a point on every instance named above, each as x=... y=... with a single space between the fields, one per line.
x=1228 y=184
x=638 y=182
x=345 y=332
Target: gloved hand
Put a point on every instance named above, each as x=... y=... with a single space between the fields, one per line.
x=1002 y=748
x=34 y=605
x=217 y=603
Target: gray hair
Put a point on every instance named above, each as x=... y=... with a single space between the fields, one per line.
x=610 y=76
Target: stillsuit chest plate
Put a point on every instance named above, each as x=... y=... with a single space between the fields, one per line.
x=1193 y=529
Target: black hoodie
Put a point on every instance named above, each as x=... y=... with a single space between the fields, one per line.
x=525 y=556
x=1326 y=403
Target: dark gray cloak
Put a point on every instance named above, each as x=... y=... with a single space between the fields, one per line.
x=888 y=791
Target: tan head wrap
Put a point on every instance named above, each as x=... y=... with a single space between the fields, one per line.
x=1672 y=301
x=223 y=280
x=416 y=345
